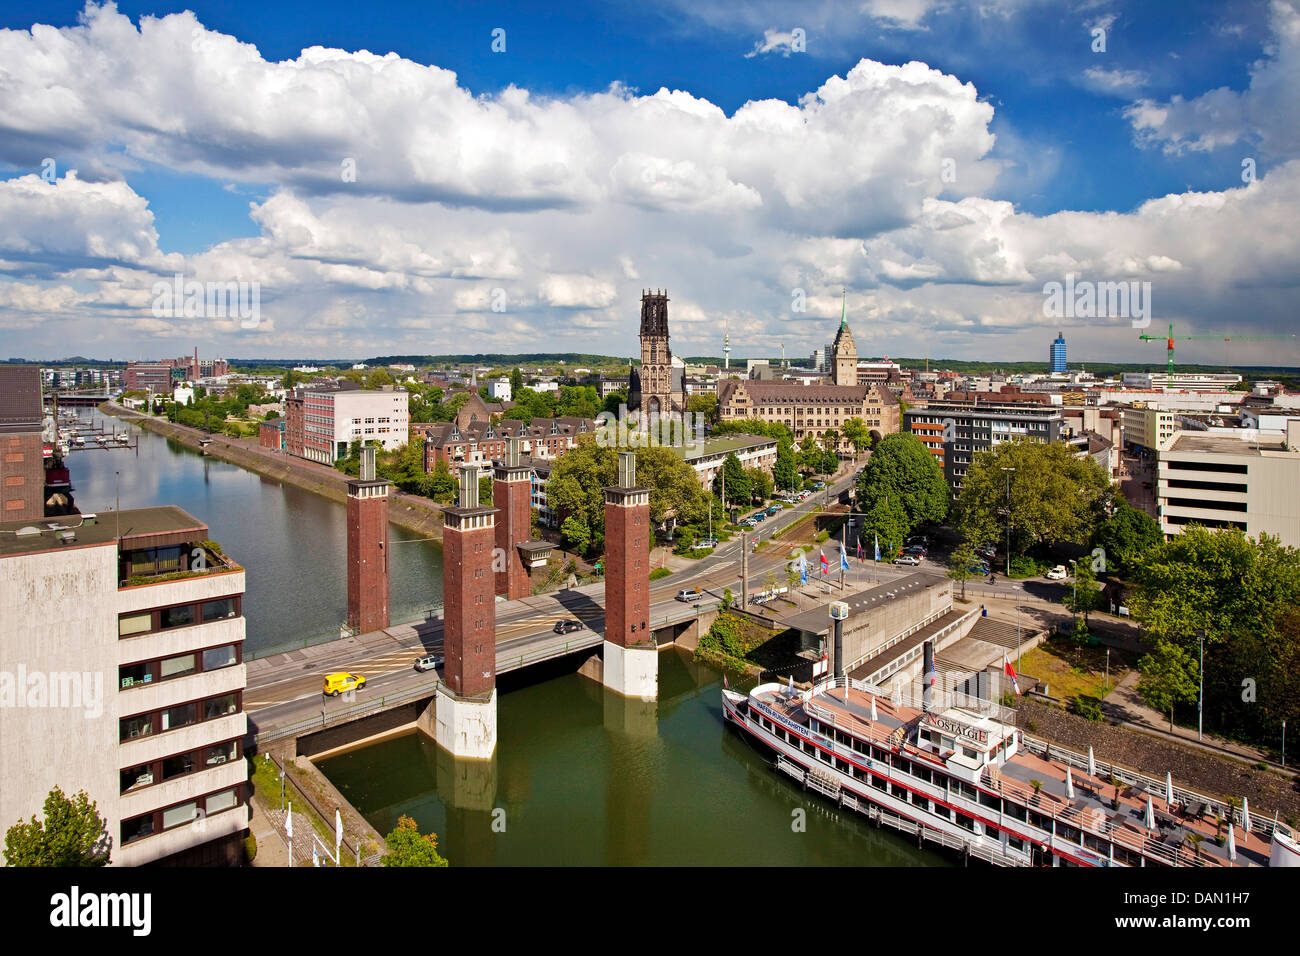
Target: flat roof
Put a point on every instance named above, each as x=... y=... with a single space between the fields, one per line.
x=140 y=528
x=1225 y=445
x=818 y=620
x=724 y=444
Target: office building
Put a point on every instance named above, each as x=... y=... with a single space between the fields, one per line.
x=1056 y=359
x=963 y=430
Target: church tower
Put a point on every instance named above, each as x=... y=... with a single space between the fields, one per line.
x=656 y=359
x=844 y=352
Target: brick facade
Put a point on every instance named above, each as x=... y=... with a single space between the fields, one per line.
x=627 y=566
x=511 y=494
x=367 y=555
x=469 y=596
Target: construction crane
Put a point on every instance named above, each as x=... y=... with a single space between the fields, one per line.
x=1170 y=338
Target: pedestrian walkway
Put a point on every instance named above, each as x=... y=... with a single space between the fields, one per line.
x=271 y=847
x=1125 y=704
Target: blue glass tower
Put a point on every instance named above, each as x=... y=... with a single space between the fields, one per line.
x=1057 y=362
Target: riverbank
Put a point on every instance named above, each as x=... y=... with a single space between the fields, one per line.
x=411 y=512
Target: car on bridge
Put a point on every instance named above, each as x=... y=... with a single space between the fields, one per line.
x=428 y=662
x=567 y=627
x=690 y=595
x=342 y=682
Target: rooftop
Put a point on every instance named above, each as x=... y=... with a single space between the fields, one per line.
x=1226 y=444
x=20 y=398
x=818 y=620
x=724 y=444
x=140 y=528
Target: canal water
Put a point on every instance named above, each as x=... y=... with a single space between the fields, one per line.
x=583 y=777
x=292 y=543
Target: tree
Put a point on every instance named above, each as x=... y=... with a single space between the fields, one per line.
x=1125 y=536
x=809 y=453
x=516 y=381
x=760 y=483
x=406 y=847
x=72 y=834
x=576 y=534
x=1054 y=496
x=1085 y=595
x=857 y=434
x=831 y=440
x=1169 y=677
x=705 y=404
x=441 y=485
x=903 y=470
x=485 y=491
x=885 y=521
x=737 y=483
x=830 y=462
x=959 y=566
x=785 y=472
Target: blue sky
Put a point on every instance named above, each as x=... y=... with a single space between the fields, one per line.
x=557 y=172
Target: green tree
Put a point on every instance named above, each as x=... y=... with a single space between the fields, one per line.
x=1125 y=536
x=72 y=834
x=785 y=472
x=830 y=462
x=959 y=566
x=485 y=490
x=810 y=454
x=903 y=470
x=760 y=483
x=1054 y=496
x=737 y=482
x=576 y=534
x=406 y=847
x=885 y=521
x=831 y=440
x=857 y=433
x=516 y=381
x=705 y=404
x=442 y=484
x=1169 y=677
x=1085 y=594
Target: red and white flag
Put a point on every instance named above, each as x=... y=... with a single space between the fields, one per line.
x=826 y=565
x=1011 y=672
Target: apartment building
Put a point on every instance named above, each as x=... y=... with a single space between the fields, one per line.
x=1145 y=426
x=753 y=451
x=121 y=657
x=1239 y=478
x=323 y=420
x=481 y=442
x=963 y=430
x=22 y=445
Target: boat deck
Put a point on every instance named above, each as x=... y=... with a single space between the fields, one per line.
x=1184 y=834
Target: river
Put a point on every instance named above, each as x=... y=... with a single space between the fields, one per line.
x=292 y=543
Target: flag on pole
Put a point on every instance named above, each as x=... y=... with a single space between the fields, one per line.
x=338 y=830
x=803 y=569
x=826 y=565
x=288 y=822
x=862 y=554
x=844 y=560
x=1010 y=672
x=877 y=539
x=315 y=857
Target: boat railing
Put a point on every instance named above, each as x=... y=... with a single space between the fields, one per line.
x=1145 y=784
x=1093 y=820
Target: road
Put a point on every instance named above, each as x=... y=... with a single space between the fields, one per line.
x=286 y=688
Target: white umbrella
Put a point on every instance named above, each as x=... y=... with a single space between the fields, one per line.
x=1151 y=814
x=1245 y=814
x=1232 y=842
x=1069 y=784
x=897 y=697
x=874 y=718
x=1092 y=764
x=1169 y=791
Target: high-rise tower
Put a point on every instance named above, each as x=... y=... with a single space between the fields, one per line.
x=1057 y=355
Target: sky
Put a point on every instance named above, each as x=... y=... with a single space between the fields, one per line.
x=425 y=178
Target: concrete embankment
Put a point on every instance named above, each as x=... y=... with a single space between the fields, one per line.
x=404 y=510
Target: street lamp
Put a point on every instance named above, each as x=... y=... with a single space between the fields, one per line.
x=1200 y=696
x=1074 y=573
x=1008 y=474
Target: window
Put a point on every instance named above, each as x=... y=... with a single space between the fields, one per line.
x=130 y=727
x=176 y=616
x=181 y=716
x=176 y=666
x=218 y=657
x=129 y=624
x=221 y=801
x=177 y=766
x=220 y=706
x=182 y=813
x=137 y=828
x=131 y=674
x=133 y=777
x=219 y=609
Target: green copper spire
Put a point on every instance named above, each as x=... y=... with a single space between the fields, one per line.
x=843 y=300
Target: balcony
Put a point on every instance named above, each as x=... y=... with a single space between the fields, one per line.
x=172 y=563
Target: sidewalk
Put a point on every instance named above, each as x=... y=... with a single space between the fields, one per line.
x=271 y=848
x=1126 y=705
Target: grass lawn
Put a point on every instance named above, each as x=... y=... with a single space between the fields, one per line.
x=1071 y=671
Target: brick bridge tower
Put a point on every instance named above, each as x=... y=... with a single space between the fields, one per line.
x=512 y=489
x=367 y=548
x=631 y=665
x=466 y=704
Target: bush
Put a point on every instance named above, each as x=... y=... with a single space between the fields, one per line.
x=1023 y=566
x=658 y=573
x=1089 y=708
x=250 y=849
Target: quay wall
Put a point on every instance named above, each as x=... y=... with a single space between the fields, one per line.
x=415 y=514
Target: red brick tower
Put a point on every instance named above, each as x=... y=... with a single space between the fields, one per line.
x=367 y=548
x=631 y=665
x=466 y=702
x=512 y=489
